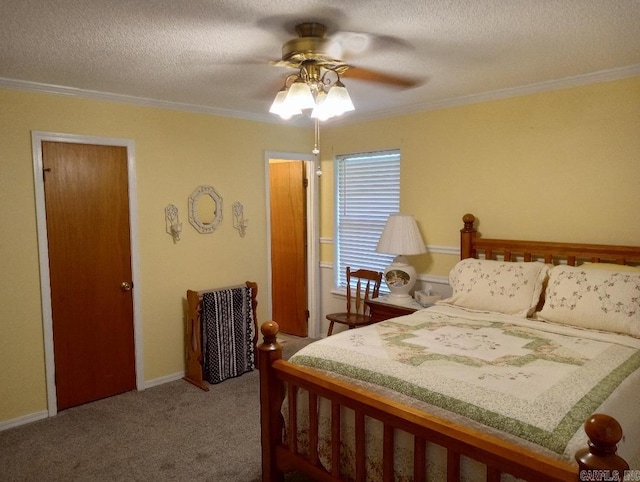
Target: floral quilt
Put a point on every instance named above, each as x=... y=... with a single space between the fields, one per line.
x=531 y=381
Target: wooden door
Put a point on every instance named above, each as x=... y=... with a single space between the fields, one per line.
x=288 y=246
x=87 y=210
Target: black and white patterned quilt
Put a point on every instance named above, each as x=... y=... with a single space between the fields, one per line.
x=227 y=334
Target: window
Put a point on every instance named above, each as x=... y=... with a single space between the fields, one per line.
x=367 y=187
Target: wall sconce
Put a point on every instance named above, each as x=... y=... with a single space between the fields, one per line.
x=173 y=224
x=239 y=222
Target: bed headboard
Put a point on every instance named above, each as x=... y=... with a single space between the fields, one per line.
x=472 y=245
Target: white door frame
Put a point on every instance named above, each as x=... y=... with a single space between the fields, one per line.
x=37 y=138
x=313 y=237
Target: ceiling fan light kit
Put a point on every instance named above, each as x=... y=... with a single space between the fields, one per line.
x=317 y=83
x=312 y=88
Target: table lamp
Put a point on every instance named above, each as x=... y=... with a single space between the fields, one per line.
x=400 y=237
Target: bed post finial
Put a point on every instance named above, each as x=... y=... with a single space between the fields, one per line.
x=271 y=397
x=269 y=331
x=604 y=433
x=467 y=236
x=468 y=220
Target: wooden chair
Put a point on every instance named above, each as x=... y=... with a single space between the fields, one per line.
x=367 y=286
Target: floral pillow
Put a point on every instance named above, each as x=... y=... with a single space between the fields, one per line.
x=601 y=299
x=511 y=288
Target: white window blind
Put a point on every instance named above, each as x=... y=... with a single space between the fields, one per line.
x=367 y=187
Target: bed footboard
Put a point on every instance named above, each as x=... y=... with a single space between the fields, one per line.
x=278 y=377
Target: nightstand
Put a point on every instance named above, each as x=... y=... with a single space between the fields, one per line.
x=383 y=307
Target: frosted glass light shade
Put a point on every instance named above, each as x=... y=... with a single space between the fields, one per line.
x=300 y=96
x=338 y=100
x=319 y=111
x=400 y=236
x=279 y=107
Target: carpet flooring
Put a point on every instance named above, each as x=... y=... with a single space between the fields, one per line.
x=173 y=431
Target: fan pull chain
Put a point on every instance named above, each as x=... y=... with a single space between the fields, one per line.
x=316 y=147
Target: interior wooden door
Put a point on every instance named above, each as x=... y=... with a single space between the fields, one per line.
x=87 y=210
x=288 y=246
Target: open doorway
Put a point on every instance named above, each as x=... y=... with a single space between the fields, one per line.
x=290 y=167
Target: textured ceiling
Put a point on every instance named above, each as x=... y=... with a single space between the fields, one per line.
x=213 y=55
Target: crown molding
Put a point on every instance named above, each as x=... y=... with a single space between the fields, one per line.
x=354 y=117
x=129 y=99
x=546 y=86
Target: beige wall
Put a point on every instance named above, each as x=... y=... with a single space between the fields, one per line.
x=175 y=152
x=562 y=165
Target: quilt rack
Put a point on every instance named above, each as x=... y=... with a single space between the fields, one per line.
x=193 y=338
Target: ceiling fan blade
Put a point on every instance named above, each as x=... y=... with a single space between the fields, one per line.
x=347 y=45
x=380 y=77
x=283 y=63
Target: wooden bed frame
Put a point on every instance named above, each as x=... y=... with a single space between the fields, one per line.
x=279 y=378
x=193 y=335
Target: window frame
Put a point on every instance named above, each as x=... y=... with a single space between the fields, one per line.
x=351 y=217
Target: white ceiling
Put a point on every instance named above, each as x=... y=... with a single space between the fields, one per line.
x=212 y=56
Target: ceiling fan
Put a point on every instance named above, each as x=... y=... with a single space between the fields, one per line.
x=317 y=84
x=313 y=47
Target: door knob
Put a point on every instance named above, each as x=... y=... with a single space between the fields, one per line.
x=126 y=286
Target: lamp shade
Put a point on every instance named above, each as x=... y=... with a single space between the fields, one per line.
x=400 y=236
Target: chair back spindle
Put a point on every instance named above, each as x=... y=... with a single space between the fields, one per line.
x=367 y=286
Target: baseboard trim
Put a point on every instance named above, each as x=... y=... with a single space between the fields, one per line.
x=34 y=417
x=16 y=422
x=162 y=380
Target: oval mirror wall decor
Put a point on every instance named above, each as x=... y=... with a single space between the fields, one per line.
x=205 y=209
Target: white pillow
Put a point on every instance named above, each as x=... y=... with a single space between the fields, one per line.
x=600 y=299
x=512 y=288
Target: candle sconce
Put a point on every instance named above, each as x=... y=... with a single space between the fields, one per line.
x=239 y=222
x=173 y=224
